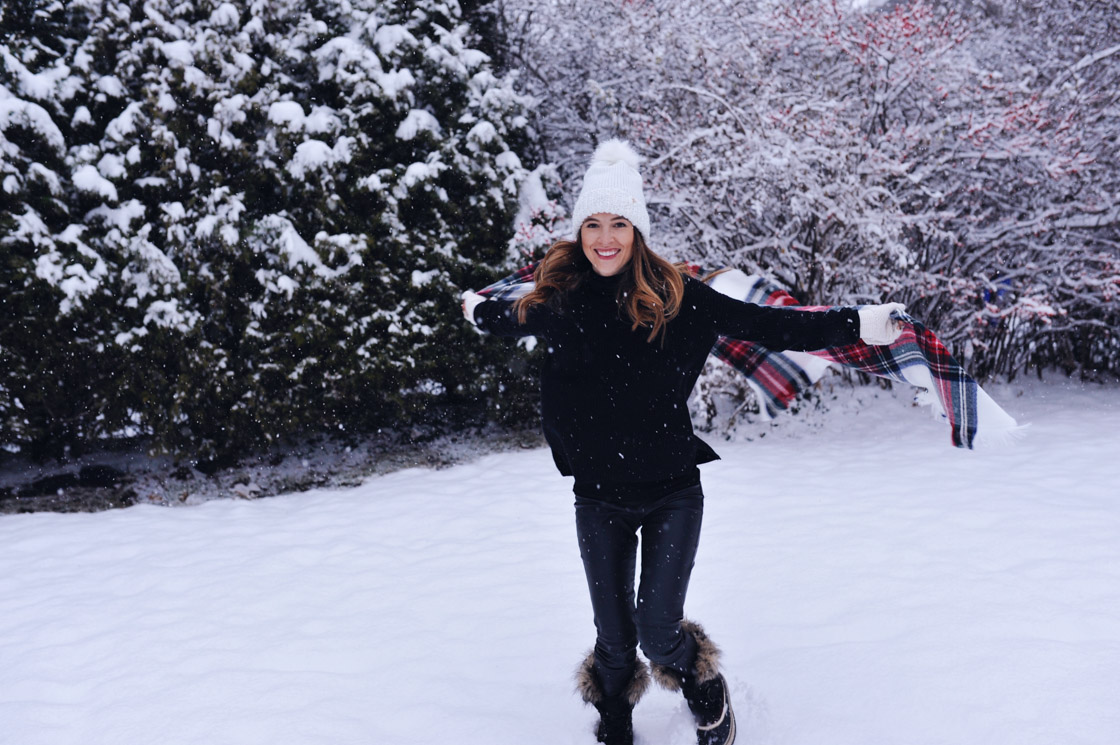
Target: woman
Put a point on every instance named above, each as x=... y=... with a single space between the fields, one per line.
x=627 y=335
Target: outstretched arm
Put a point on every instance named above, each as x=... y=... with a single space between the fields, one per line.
x=777 y=328
x=787 y=328
x=499 y=317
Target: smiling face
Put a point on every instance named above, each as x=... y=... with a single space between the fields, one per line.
x=608 y=242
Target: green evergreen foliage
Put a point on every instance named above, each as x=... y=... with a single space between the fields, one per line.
x=228 y=222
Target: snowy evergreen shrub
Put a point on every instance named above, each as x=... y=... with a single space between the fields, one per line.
x=235 y=220
x=48 y=273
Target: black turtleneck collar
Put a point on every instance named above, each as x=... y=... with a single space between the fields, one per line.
x=603 y=285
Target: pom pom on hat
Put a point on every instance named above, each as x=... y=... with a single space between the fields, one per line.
x=613 y=185
x=616 y=151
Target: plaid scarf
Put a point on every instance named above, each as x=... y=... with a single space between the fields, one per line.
x=917 y=357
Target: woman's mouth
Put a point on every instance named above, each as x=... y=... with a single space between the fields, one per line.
x=607 y=253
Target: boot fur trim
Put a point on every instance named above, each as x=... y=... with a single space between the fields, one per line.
x=705 y=667
x=588 y=686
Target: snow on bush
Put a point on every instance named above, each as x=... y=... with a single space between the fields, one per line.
x=217 y=210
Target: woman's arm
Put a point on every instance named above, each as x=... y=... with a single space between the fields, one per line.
x=499 y=317
x=774 y=327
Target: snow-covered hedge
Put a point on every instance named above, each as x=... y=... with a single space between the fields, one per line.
x=229 y=220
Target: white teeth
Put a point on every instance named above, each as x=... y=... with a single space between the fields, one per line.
x=607 y=253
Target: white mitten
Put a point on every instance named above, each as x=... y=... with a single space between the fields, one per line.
x=470 y=300
x=876 y=327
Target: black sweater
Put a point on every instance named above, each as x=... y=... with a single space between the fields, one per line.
x=614 y=406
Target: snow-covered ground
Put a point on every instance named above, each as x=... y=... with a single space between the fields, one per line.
x=868 y=583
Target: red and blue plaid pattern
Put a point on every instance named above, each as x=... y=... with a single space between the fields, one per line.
x=917 y=357
x=919 y=347
x=512 y=287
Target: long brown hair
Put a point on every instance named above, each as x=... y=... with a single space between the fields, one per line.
x=650 y=288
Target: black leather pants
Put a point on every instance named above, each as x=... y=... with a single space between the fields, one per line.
x=608 y=542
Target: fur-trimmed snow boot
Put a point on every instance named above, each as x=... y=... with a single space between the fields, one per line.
x=616 y=725
x=704 y=688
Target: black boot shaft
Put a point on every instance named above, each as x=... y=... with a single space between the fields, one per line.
x=615 y=712
x=705 y=700
x=616 y=725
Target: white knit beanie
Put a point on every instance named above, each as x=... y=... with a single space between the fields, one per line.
x=613 y=185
